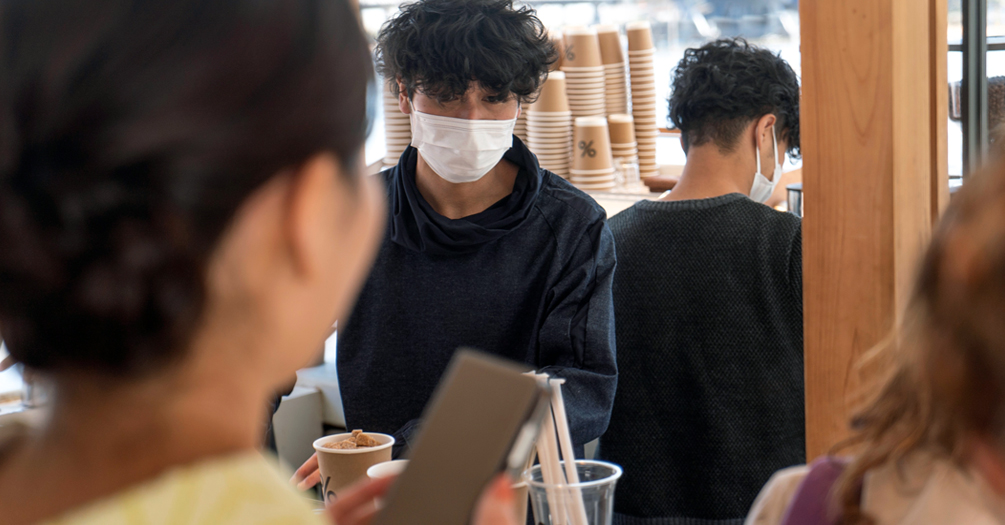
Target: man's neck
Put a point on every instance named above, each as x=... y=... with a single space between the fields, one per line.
x=708 y=174
x=456 y=201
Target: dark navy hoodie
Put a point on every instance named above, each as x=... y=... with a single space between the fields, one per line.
x=528 y=279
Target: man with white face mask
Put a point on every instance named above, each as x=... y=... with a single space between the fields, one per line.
x=708 y=298
x=484 y=249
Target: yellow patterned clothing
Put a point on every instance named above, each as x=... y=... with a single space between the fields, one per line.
x=243 y=489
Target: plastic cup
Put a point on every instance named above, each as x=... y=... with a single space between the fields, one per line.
x=582 y=48
x=340 y=468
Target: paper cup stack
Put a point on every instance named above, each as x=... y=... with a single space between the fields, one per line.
x=592 y=164
x=559 y=43
x=549 y=126
x=584 y=73
x=520 y=129
x=623 y=145
x=615 y=84
x=643 y=82
x=397 y=129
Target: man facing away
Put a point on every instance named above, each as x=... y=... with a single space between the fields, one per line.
x=484 y=249
x=708 y=298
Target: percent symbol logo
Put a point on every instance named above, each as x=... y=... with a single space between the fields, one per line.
x=587 y=149
x=570 y=55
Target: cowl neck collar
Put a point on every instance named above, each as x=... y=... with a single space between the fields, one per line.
x=415 y=225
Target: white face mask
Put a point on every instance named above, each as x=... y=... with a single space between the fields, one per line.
x=460 y=150
x=762 y=188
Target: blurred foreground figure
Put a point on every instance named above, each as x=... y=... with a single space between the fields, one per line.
x=181 y=221
x=932 y=444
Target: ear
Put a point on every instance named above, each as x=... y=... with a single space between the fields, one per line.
x=762 y=132
x=309 y=213
x=403 y=104
x=988 y=460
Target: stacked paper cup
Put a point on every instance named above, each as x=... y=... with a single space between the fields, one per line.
x=584 y=73
x=549 y=126
x=623 y=145
x=643 y=82
x=559 y=43
x=592 y=164
x=615 y=85
x=520 y=129
x=397 y=129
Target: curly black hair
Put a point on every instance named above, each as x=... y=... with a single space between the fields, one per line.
x=130 y=134
x=439 y=46
x=719 y=88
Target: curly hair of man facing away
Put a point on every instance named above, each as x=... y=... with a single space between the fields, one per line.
x=720 y=88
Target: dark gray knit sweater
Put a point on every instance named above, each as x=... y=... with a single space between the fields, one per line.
x=708 y=306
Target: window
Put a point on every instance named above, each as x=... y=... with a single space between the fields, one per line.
x=10 y=381
x=677 y=25
x=976 y=70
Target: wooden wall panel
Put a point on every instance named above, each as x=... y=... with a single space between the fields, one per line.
x=867 y=167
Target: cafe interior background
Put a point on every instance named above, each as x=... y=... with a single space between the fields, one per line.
x=967 y=79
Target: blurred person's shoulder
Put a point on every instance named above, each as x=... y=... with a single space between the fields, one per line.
x=770 y=506
x=245 y=488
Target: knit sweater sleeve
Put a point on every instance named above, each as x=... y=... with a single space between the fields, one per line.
x=576 y=340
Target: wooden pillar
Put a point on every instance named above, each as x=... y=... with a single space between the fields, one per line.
x=871 y=152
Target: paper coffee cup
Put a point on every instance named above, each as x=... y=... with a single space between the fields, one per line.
x=551 y=98
x=622 y=128
x=640 y=36
x=610 y=44
x=340 y=468
x=556 y=40
x=582 y=48
x=591 y=144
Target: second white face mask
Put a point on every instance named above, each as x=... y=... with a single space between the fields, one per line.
x=460 y=150
x=762 y=188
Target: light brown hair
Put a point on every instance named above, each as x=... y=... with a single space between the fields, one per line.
x=948 y=376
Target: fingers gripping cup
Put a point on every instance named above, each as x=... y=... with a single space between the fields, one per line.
x=341 y=467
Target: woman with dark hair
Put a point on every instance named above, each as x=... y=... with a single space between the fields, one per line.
x=181 y=220
x=931 y=445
